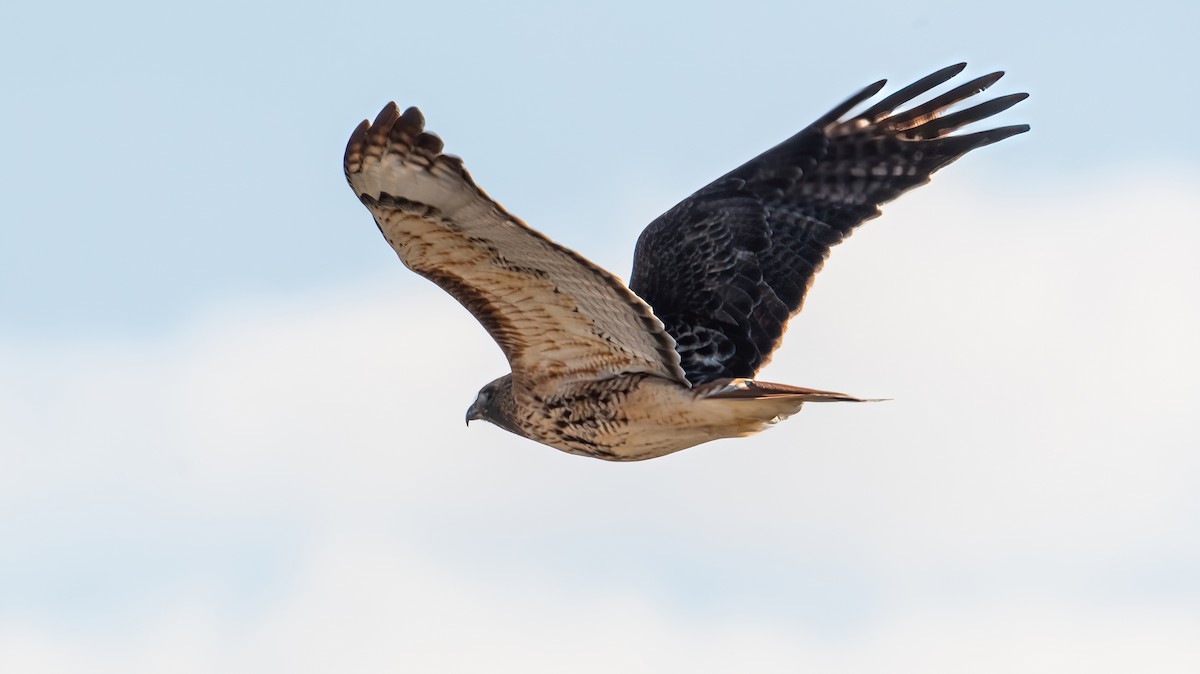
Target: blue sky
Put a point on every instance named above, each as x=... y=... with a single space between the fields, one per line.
x=163 y=159
x=231 y=421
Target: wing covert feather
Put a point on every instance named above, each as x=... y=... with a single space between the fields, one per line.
x=558 y=318
x=729 y=266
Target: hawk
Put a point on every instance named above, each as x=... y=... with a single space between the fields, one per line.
x=626 y=373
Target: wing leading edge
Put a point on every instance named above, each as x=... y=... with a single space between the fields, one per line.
x=558 y=318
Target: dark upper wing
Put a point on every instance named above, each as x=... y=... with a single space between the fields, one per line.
x=726 y=268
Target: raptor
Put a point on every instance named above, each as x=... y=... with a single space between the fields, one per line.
x=626 y=373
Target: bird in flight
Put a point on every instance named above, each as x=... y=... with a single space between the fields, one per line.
x=627 y=373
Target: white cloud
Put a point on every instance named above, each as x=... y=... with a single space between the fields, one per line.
x=362 y=605
x=289 y=485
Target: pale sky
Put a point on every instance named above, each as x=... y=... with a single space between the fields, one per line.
x=231 y=421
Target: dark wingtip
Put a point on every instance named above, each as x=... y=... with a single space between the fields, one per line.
x=352 y=159
x=887 y=105
x=413 y=118
x=970 y=141
x=846 y=105
x=988 y=80
x=359 y=133
x=387 y=115
x=997 y=135
x=388 y=122
x=1002 y=103
x=937 y=127
x=429 y=143
x=949 y=71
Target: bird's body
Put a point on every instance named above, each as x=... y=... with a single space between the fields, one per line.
x=639 y=416
x=595 y=369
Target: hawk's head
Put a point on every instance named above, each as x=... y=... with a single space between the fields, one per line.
x=495 y=404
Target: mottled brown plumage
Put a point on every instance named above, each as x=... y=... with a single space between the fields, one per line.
x=596 y=371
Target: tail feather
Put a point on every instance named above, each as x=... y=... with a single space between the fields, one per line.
x=750 y=389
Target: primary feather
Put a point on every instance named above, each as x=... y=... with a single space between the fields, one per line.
x=730 y=265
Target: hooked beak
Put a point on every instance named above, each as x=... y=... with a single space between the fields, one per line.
x=475 y=412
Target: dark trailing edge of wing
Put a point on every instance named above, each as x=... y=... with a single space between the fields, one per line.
x=729 y=266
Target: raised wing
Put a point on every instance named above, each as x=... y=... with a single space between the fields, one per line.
x=558 y=318
x=729 y=266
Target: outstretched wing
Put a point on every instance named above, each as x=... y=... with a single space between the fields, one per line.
x=558 y=318
x=726 y=268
